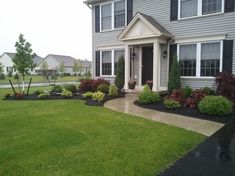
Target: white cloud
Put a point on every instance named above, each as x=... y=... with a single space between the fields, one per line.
x=51 y=26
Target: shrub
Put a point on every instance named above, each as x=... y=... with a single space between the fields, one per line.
x=225 y=85
x=98 y=96
x=37 y=92
x=57 y=88
x=119 y=80
x=7 y=95
x=44 y=95
x=85 y=85
x=103 y=88
x=9 y=74
x=177 y=95
x=70 y=87
x=16 y=76
x=66 y=94
x=2 y=76
x=174 y=77
x=215 y=105
x=188 y=91
x=148 y=97
x=171 y=104
x=87 y=95
x=113 y=90
x=208 y=91
x=195 y=98
x=97 y=82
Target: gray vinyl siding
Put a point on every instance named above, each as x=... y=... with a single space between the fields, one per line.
x=163 y=68
x=197 y=83
x=160 y=11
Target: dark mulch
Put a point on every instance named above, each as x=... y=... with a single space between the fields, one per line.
x=190 y=112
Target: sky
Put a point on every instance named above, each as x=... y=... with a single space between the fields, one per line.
x=52 y=26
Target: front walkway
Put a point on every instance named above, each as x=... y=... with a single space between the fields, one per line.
x=126 y=105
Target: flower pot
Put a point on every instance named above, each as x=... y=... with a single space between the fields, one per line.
x=132 y=85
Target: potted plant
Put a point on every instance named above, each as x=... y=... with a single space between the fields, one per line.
x=150 y=83
x=132 y=84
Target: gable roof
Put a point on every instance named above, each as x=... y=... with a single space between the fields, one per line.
x=68 y=60
x=37 y=60
x=11 y=55
x=148 y=22
x=85 y=63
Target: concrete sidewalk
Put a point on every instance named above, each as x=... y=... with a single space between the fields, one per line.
x=126 y=105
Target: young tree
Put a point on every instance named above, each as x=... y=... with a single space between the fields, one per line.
x=174 y=77
x=77 y=67
x=44 y=68
x=23 y=59
x=119 y=80
x=1 y=68
x=61 y=68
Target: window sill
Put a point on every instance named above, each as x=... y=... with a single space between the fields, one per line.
x=108 y=76
x=111 y=30
x=193 y=77
x=201 y=16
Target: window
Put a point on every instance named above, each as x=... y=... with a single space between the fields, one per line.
x=210 y=59
x=187 y=59
x=211 y=6
x=119 y=14
x=192 y=8
x=106 y=16
x=117 y=55
x=113 y=15
x=200 y=59
x=106 y=63
x=188 y=8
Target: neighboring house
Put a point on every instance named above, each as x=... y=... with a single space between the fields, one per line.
x=148 y=33
x=86 y=66
x=6 y=60
x=54 y=61
x=36 y=61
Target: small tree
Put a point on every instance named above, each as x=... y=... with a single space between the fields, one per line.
x=61 y=68
x=119 y=80
x=23 y=59
x=44 y=68
x=174 y=77
x=1 y=68
x=77 y=67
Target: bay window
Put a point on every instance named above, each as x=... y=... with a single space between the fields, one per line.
x=113 y=15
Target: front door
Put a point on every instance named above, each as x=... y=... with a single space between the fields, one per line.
x=147 y=63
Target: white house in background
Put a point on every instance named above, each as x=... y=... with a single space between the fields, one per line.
x=8 y=65
x=6 y=60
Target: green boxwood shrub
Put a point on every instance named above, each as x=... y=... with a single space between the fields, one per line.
x=171 y=104
x=66 y=94
x=188 y=91
x=148 y=97
x=57 y=88
x=215 y=105
x=70 y=87
x=98 y=96
x=87 y=94
x=103 y=88
x=37 y=92
x=113 y=90
x=44 y=95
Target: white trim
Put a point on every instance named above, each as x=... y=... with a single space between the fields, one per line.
x=111 y=47
x=140 y=66
x=198 y=59
x=199 y=11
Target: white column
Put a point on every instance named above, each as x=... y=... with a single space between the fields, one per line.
x=127 y=66
x=156 y=62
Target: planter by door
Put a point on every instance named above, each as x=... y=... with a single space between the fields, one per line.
x=147 y=63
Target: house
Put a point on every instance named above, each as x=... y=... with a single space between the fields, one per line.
x=36 y=61
x=86 y=66
x=8 y=65
x=149 y=33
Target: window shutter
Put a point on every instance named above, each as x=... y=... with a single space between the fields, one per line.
x=129 y=10
x=97 y=18
x=97 y=63
x=229 y=6
x=174 y=10
x=228 y=56
x=173 y=53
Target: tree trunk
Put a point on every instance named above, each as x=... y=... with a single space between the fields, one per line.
x=23 y=84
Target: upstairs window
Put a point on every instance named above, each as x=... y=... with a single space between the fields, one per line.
x=188 y=8
x=211 y=6
x=113 y=15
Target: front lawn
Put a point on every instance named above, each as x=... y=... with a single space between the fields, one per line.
x=66 y=137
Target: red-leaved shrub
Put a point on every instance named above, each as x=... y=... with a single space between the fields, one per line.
x=225 y=85
x=97 y=82
x=177 y=95
x=85 y=85
x=195 y=98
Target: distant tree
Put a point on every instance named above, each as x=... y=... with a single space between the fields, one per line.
x=119 y=80
x=23 y=59
x=77 y=67
x=61 y=68
x=44 y=68
x=174 y=77
x=1 y=68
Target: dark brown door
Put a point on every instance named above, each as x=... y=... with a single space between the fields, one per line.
x=147 y=63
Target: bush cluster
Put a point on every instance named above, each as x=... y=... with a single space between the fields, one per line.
x=91 y=85
x=37 y=92
x=98 y=96
x=87 y=95
x=103 y=88
x=171 y=104
x=57 y=89
x=44 y=95
x=70 y=87
x=113 y=90
x=148 y=97
x=66 y=94
x=215 y=105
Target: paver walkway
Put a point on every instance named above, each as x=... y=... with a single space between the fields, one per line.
x=126 y=105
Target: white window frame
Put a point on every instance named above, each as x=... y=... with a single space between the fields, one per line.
x=198 y=58
x=112 y=61
x=199 y=10
x=112 y=16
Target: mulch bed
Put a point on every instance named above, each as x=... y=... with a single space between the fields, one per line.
x=190 y=112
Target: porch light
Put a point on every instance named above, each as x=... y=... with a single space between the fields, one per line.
x=164 y=54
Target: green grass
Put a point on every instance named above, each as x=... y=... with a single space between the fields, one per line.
x=39 y=79
x=68 y=138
